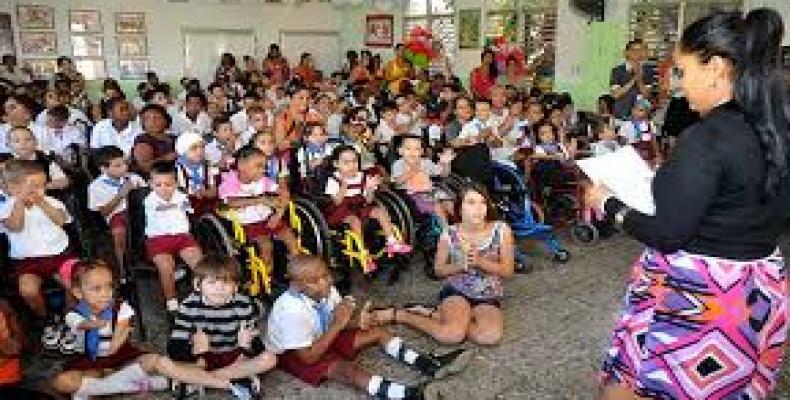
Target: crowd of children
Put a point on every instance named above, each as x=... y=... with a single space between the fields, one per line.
x=238 y=149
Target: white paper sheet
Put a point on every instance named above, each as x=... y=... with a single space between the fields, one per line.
x=626 y=174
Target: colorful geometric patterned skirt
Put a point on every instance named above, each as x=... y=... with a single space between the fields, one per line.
x=699 y=327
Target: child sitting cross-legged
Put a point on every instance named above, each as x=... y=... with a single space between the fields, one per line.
x=215 y=327
x=318 y=338
x=110 y=363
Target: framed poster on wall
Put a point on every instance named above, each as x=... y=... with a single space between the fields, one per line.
x=38 y=43
x=85 y=21
x=30 y=16
x=129 y=22
x=469 y=28
x=379 y=30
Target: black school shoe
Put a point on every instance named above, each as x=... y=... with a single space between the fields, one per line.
x=439 y=367
x=426 y=391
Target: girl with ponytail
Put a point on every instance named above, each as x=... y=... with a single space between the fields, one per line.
x=706 y=310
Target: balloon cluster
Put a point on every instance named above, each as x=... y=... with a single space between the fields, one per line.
x=504 y=51
x=419 y=47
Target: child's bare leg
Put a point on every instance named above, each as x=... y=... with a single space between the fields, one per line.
x=244 y=367
x=119 y=240
x=380 y=215
x=191 y=256
x=166 y=265
x=265 y=249
x=30 y=289
x=355 y=224
x=349 y=373
x=183 y=373
x=70 y=381
x=288 y=237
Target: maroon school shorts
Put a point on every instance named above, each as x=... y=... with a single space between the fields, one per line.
x=342 y=348
x=168 y=244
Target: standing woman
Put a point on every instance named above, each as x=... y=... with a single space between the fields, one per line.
x=276 y=65
x=483 y=78
x=706 y=312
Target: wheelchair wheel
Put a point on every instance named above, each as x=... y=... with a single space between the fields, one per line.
x=584 y=233
x=213 y=234
x=400 y=215
x=314 y=231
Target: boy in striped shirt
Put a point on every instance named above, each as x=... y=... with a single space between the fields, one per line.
x=215 y=327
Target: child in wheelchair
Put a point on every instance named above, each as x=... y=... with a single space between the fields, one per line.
x=413 y=173
x=196 y=177
x=311 y=156
x=220 y=150
x=205 y=337
x=352 y=191
x=167 y=229
x=107 y=194
x=258 y=202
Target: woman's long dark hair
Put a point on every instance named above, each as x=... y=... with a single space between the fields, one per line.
x=492 y=69
x=752 y=44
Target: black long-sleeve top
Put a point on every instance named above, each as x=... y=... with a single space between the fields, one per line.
x=709 y=194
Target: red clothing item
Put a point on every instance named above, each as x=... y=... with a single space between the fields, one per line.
x=481 y=82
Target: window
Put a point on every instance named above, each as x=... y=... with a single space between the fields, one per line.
x=658 y=23
x=439 y=17
x=502 y=20
x=87 y=43
x=540 y=35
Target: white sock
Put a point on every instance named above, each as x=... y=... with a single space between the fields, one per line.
x=373 y=385
x=394 y=390
x=126 y=380
x=393 y=348
x=172 y=305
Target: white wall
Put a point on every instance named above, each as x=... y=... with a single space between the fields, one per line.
x=165 y=22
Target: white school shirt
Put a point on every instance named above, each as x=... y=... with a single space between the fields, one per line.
x=294 y=323
x=240 y=121
x=213 y=151
x=334 y=124
x=183 y=175
x=102 y=190
x=470 y=129
x=303 y=158
x=645 y=132
x=60 y=140
x=73 y=319
x=104 y=134
x=40 y=237
x=166 y=217
x=38 y=131
x=182 y=123
x=333 y=185
x=384 y=133
x=75 y=115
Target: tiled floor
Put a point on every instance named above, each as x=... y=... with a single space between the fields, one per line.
x=557 y=324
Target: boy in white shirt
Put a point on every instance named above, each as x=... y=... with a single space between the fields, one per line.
x=118 y=130
x=318 y=338
x=63 y=137
x=107 y=194
x=193 y=118
x=167 y=228
x=23 y=146
x=33 y=222
x=219 y=151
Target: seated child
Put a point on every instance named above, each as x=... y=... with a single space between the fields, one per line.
x=155 y=144
x=167 y=228
x=216 y=326
x=257 y=202
x=607 y=139
x=352 y=192
x=318 y=339
x=413 y=173
x=23 y=144
x=312 y=155
x=276 y=165
x=259 y=121
x=220 y=150
x=33 y=222
x=64 y=138
x=548 y=156
x=196 y=177
x=641 y=133
x=107 y=194
x=110 y=364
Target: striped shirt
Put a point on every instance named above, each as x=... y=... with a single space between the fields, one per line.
x=221 y=324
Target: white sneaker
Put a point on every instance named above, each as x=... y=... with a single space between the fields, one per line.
x=180 y=273
x=68 y=342
x=50 y=338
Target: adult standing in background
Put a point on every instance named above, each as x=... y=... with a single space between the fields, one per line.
x=227 y=71
x=276 y=65
x=484 y=76
x=706 y=309
x=631 y=79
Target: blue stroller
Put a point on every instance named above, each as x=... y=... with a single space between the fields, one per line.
x=511 y=197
